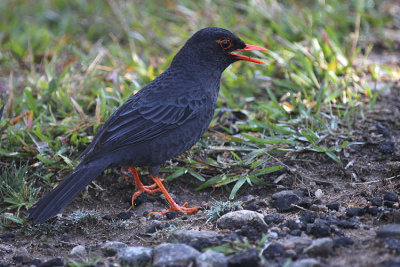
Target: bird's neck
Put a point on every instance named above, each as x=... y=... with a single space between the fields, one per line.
x=190 y=60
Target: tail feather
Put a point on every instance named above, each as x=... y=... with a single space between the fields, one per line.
x=65 y=192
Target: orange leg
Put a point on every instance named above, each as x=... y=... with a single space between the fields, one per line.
x=151 y=189
x=172 y=203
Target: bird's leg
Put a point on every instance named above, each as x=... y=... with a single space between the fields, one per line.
x=172 y=203
x=150 y=189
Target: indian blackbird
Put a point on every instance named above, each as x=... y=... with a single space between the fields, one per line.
x=164 y=119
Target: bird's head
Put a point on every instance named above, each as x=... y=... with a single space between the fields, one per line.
x=215 y=47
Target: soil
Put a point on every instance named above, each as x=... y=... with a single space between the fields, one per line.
x=369 y=169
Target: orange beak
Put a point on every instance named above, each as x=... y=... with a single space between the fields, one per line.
x=249 y=48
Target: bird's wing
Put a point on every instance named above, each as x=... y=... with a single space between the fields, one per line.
x=139 y=121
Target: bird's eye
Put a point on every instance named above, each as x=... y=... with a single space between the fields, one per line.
x=225 y=43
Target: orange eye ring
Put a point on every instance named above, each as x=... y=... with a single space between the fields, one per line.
x=225 y=43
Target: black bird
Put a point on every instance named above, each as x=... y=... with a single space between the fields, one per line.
x=164 y=119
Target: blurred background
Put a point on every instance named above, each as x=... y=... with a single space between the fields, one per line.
x=66 y=66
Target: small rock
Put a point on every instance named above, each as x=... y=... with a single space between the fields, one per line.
x=297 y=242
x=319 y=229
x=52 y=262
x=252 y=206
x=9 y=236
x=211 y=258
x=247 y=199
x=376 y=201
x=390 y=263
x=284 y=193
x=142 y=198
x=373 y=210
x=389 y=204
x=391 y=196
x=306 y=263
x=319 y=194
x=347 y=224
x=167 y=254
x=393 y=244
x=307 y=217
x=236 y=219
x=292 y=224
x=246 y=258
x=285 y=202
x=273 y=218
x=154 y=226
x=333 y=206
x=342 y=241
x=35 y=262
x=196 y=239
x=320 y=247
x=274 y=250
x=171 y=215
x=78 y=253
x=125 y=215
x=295 y=232
x=382 y=129
x=21 y=256
x=111 y=248
x=386 y=147
x=252 y=233
x=135 y=256
x=355 y=211
x=389 y=231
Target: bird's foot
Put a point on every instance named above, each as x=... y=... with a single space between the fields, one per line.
x=172 y=203
x=149 y=189
x=178 y=208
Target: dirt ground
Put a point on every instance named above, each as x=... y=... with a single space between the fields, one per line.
x=368 y=170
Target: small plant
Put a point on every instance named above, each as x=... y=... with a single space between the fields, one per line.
x=219 y=208
x=17 y=193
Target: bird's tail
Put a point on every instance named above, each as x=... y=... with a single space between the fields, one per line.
x=66 y=191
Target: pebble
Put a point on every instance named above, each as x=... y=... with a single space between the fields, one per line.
x=125 y=215
x=274 y=250
x=333 y=206
x=236 y=219
x=176 y=255
x=342 y=241
x=386 y=147
x=196 y=239
x=8 y=236
x=389 y=231
x=319 y=229
x=154 y=226
x=321 y=247
x=52 y=263
x=306 y=263
x=391 y=196
x=376 y=201
x=78 y=253
x=374 y=211
x=292 y=224
x=273 y=218
x=355 y=211
x=382 y=129
x=135 y=256
x=390 y=263
x=22 y=256
x=286 y=201
x=211 y=258
x=111 y=248
x=319 y=194
x=246 y=258
x=284 y=193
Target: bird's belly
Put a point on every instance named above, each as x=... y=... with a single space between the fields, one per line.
x=178 y=140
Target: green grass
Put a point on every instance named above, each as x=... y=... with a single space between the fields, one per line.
x=66 y=66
